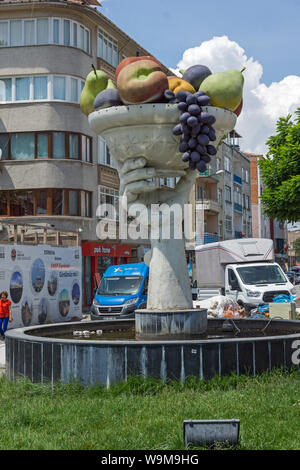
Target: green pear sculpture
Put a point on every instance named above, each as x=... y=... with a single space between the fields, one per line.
x=225 y=89
x=96 y=81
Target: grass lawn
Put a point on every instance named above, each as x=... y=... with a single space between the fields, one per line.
x=149 y=414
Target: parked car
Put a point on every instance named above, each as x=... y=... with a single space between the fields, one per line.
x=293 y=276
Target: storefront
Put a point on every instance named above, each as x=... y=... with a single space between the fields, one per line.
x=96 y=257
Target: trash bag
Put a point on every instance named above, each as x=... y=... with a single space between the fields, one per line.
x=283 y=298
x=222 y=306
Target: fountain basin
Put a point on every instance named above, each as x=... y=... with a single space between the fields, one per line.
x=42 y=354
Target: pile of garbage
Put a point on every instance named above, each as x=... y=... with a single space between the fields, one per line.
x=262 y=311
x=222 y=306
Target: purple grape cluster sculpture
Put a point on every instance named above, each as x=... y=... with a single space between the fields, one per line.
x=195 y=128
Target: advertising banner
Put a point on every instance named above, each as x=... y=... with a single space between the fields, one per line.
x=43 y=283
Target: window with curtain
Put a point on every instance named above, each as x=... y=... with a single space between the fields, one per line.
x=16 y=33
x=59 y=88
x=42 y=31
x=3 y=33
x=5 y=89
x=22 y=146
x=59 y=148
x=42 y=146
x=22 y=89
x=40 y=88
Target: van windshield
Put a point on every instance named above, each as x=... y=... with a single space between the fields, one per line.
x=122 y=285
x=267 y=274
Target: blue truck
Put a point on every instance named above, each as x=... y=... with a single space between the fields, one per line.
x=122 y=290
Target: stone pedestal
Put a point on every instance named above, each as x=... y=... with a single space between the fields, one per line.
x=170 y=324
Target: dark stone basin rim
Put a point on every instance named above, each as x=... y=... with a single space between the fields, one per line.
x=24 y=333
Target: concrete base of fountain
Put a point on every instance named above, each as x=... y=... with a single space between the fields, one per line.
x=171 y=324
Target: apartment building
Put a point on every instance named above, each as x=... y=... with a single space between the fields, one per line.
x=262 y=226
x=222 y=195
x=54 y=171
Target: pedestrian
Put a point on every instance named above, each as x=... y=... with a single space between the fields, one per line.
x=5 y=313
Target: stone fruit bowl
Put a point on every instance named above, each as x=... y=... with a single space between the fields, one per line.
x=146 y=131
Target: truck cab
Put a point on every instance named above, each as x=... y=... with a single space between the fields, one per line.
x=252 y=284
x=122 y=290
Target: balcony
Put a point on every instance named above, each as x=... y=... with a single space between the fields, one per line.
x=237 y=180
x=238 y=208
x=208 y=238
x=209 y=205
x=210 y=175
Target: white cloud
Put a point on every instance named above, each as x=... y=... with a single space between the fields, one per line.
x=262 y=104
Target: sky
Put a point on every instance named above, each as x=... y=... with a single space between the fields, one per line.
x=262 y=35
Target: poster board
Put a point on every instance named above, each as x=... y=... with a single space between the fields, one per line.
x=43 y=283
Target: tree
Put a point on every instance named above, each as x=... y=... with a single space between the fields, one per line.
x=280 y=171
x=296 y=246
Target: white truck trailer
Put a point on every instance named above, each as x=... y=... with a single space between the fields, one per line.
x=241 y=269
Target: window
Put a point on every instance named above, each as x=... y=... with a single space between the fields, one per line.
x=41 y=202
x=70 y=202
x=47 y=144
x=22 y=146
x=27 y=32
x=104 y=157
x=4 y=33
x=227 y=194
x=67 y=33
x=226 y=164
x=42 y=146
x=22 y=89
x=59 y=88
x=247 y=176
x=16 y=33
x=248 y=202
x=58 y=202
x=21 y=203
x=55 y=29
x=42 y=31
x=228 y=223
x=74 y=208
x=4 y=146
x=74 y=90
x=107 y=48
x=5 y=89
x=108 y=203
x=59 y=150
x=40 y=88
x=73 y=146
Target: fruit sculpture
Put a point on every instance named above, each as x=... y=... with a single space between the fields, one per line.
x=141 y=80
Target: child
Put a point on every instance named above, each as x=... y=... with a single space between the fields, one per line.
x=5 y=313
